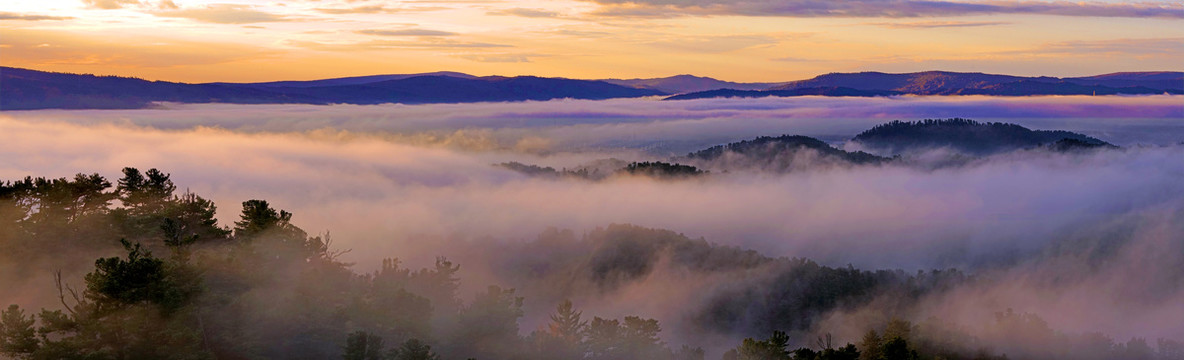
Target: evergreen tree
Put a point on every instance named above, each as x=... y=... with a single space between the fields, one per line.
x=871 y=347
x=413 y=349
x=363 y=346
x=17 y=335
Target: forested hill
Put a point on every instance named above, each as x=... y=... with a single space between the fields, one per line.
x=25 y=89
x=779 y=154
x=966 y=136
x=968 y=139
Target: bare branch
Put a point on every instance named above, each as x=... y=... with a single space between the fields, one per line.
x=57 y=278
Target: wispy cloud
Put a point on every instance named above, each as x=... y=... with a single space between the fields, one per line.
x=31 y=17
x=392 y=44
x=881 y=8
x=797 y=59
x=498 y=58
x=936 y=24
x=1124 y=46
x=406 y=32
x=377 y=9
x=223 y=14
x=109 y=4
x=57 y=47
x=524 y=12
x=716 y=44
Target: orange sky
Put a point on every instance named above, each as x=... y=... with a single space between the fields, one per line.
x=740 y=40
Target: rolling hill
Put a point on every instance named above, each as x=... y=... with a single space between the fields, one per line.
x=967 y=136
x=778 y=154
x=25 y=89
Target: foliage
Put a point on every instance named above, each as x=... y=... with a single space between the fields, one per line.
x=363 y=346
x=661 y=170
x=963 y=135
x=413 y=349
x=17 y=334
x=780 y=153
x=267 y=289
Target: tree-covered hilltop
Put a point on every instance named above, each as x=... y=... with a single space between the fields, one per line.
x=608 y=168
x=968 y=140
x=134 y=270
x=779 y=154
x=599 y=169
x=661 y=170
x=962 y=135
x=1075 y=145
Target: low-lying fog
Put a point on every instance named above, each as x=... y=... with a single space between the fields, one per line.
x=382 y=179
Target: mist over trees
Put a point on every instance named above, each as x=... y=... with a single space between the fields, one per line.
x=140 y=271
x=780 y=154
x=967 y=136
x=924 y=144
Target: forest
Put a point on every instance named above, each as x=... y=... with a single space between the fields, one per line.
x=969 y=136
x=140 y=270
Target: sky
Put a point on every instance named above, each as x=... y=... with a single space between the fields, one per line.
x=737 y=40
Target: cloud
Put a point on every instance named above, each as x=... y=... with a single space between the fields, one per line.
x=46 y=47
x=643 y=11
x=31 y=17
x=371 y=9
x=223 y=14
x=717 y=44
x=577 y=33
x=1116 y=46
x=524 y=12
x=391 y=44
x=937 y=24
x=498 y=58
x=798 y=59
x=109 y=4
x=406 y=32
x=881 y=8
x=378 y=9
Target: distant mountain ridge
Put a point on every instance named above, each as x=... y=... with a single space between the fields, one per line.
x=680 y=84
x=959 y=83
x=25 y=89
x=353 y=80
x=956 y=83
